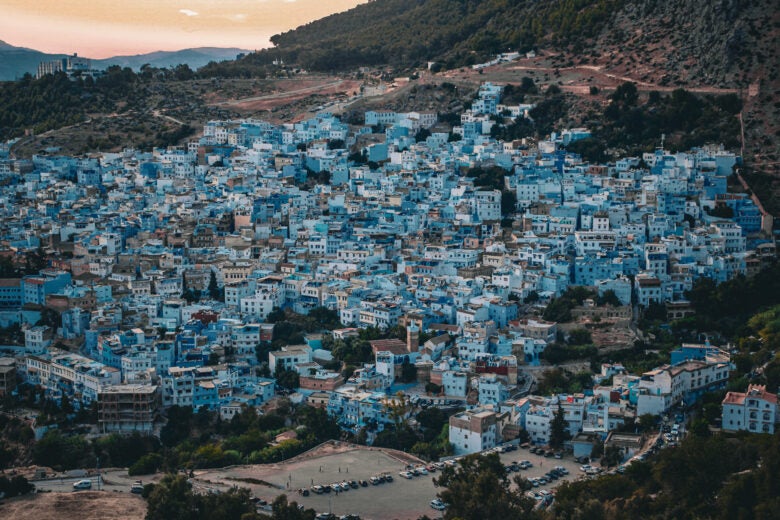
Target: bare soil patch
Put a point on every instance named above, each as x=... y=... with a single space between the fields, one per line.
x=89 y=505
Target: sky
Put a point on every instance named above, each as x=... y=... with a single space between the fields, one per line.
x=104 y=28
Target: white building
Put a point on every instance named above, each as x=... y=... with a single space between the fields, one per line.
x=753 y=411
x=667 y=386
x=36 y=340
x=492 y=391
x=538 y=420
x=475 y=430
x=289 y=357
x=455 y=383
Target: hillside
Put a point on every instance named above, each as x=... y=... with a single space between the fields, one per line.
x=726 y=42
x=15 y=62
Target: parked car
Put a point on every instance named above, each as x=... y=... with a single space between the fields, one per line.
x=438 y=504
x=82 y=484
x=137 y=487
x=406 y=474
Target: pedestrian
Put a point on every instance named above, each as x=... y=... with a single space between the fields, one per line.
x=339 y=469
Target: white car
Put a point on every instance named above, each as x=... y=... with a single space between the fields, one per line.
x=82 y=484
x=438 y=505
x=406 y=474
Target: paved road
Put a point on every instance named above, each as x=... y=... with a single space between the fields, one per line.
x=114 y=480
x=64 y=485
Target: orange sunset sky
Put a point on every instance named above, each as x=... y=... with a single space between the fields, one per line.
x=103 y=28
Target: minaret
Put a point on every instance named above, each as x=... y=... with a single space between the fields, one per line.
x=412 y=337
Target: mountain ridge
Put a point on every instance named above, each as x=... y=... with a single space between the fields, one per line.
x=17 y=61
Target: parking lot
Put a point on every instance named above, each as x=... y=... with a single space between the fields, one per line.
x=400 y=499
x=542 y=465
x=403 y=498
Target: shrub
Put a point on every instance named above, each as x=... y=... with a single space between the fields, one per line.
x=146 y=465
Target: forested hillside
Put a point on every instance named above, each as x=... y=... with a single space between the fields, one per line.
x=406 y=33
x=725 y=41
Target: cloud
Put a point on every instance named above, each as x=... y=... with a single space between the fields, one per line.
x=239 y=18
x=188 y=12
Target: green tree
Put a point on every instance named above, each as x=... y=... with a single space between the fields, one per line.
x=146 y=465
x=171 y=499
x=287 y=378
x=50 y=318
x=408 y=372
x=609 y=298
x=647 y=422
x=317 y=421
x=597 y=451
x=283 y=510
x=613 y=456
x=63 y=451
x=478 y=488
x=558 y=429
x=580 y=337
x=700 y=428
x=215 y=293
x=15 y=486
x=508 y=202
